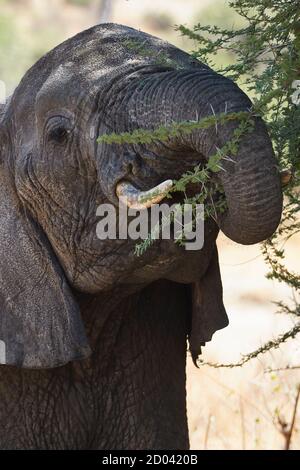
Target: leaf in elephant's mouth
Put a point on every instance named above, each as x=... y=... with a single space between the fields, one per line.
x=197 y=192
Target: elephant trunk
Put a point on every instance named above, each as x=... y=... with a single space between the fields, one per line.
x=253 y=190
x=251 y=181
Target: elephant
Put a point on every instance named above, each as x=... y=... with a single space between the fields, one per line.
x=94 y=339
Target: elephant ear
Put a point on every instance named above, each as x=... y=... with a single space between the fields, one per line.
x=208 y=311
x=40 y=323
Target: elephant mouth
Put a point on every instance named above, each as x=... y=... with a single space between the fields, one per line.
x=138 y=199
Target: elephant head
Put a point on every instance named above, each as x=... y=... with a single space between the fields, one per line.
x=54 y=174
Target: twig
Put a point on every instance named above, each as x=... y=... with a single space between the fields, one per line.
x=243 y=424
x=282 y=369
x=270 y=345
x=207 y=431
x=292 y=426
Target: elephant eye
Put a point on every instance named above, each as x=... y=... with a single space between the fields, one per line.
x=59 y=134
x=58 y=130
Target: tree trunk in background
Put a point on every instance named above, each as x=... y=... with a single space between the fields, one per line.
x=106 y=11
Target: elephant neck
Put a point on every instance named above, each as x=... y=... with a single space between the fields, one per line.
x=138 y=365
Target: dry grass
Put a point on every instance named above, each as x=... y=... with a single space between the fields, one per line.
x=246 y=408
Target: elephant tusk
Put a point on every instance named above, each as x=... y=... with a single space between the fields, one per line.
x=138 y=200
x=285 y=176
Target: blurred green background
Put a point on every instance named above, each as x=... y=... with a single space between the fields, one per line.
x=29 y=28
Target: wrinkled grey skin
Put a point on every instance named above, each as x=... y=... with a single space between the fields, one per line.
x=95 y=338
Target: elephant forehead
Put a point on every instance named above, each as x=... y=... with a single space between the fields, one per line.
x=72 y=82
x=89 y=63
x=101 y=51
x=53 y=91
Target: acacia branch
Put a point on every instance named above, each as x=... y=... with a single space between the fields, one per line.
x=274 y=344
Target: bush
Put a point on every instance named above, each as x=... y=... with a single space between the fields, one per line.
x=267 y=65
